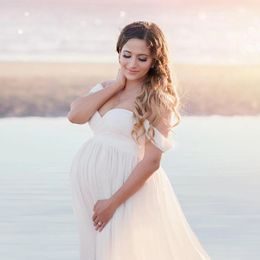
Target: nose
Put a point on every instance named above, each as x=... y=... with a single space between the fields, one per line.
x=132 y=63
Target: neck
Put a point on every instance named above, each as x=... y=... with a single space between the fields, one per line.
x=133 y=85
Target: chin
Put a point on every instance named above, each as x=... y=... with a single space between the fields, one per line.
x=133 y=77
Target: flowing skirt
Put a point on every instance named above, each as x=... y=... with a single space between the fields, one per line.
x=150 y=225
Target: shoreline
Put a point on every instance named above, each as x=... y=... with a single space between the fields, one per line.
x=32 y=68
x=47 y=89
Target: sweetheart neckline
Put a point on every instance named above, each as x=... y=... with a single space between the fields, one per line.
x=146 y=121
x=115 y=108
x=119 y=108
x=131 y=112
x=123 y=109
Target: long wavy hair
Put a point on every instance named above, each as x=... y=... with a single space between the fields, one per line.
x=158 y=94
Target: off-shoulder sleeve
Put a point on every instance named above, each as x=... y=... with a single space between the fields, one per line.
x=160 y=141
x=96 y=88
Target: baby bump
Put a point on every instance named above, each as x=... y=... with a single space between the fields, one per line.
x=101 y=167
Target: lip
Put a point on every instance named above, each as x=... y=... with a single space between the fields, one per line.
x=133 y=71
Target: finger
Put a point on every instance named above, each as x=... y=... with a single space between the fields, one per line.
x=96 y=223
x=101 y=227
x=94 y=217
x=97 y=226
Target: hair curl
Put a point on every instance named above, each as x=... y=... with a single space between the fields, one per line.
x=158 y=94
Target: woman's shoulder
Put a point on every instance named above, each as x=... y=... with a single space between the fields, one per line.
x=162 y=121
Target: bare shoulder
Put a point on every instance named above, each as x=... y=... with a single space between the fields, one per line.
x=163 y=122
x=107 y=83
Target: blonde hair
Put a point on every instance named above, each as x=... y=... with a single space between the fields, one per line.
x=158 y=94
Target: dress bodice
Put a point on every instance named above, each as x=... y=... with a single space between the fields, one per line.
x=119 y=121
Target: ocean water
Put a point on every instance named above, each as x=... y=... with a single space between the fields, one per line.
x=214 y=168
x=87 y=31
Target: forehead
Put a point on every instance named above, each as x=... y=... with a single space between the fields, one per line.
x=136 y=46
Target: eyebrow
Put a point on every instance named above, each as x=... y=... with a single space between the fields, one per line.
x=138 y=54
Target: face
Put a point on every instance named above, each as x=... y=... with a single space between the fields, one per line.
x=135 y=59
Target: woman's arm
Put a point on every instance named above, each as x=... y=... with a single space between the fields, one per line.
x=83 y=107
x=143 y=170
x=104 y=209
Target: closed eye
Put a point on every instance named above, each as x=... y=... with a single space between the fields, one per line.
x=143 y=60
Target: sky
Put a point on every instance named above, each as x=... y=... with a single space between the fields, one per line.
x=198 y=31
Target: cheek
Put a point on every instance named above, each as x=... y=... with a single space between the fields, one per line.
x=146 y=67
x=123 y=63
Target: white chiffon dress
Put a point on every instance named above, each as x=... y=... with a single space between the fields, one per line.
x=150 y=225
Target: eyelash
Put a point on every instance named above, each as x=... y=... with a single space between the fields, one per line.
x=130 y=56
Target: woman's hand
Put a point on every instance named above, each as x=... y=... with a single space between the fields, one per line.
x=103 y=212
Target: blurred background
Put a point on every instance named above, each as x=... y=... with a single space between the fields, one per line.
x=50 y=50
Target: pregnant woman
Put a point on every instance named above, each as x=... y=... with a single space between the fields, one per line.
x=125 y=206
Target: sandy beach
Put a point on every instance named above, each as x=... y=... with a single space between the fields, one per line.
x=47 y=89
